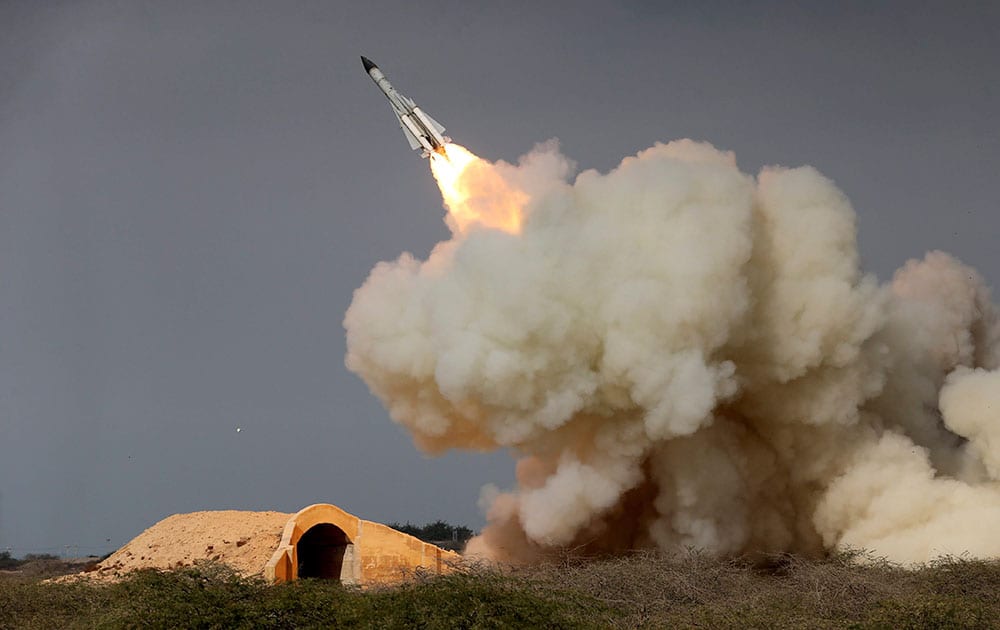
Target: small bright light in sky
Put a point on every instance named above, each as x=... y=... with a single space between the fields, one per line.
x=238 y=429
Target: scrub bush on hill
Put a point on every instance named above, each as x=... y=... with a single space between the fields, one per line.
x=437 y=531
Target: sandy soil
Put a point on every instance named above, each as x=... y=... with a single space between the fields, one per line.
x=243 y=540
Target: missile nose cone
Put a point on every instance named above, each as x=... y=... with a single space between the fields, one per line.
x=369 y=64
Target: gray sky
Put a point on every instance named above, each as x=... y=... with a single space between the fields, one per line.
x=191 y=191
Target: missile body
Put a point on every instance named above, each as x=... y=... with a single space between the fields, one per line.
x=421 y=131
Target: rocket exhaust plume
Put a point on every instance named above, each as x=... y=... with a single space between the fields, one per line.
x=475 y=192
x=683 y=355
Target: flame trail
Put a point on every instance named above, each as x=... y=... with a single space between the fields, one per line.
x=683 y=355
x=475 y=193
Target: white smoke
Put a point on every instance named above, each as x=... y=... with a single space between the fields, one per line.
x=685 y=355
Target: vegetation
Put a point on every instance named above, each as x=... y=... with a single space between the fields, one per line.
x=43 y=565
x=10 y=563
x=638 y=591
x=438 y=531
x=210 y=596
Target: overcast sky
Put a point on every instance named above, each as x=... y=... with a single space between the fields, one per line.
x=191 y=191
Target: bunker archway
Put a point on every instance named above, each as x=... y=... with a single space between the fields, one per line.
x=323 y=541
x=321 y=552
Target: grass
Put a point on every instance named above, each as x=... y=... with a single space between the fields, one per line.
x=211 y=596
x=847 y=590
x=643 y=590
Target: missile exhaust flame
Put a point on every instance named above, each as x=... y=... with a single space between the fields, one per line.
x=475 y=193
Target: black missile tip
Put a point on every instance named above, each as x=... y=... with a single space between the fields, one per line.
x=369 y=64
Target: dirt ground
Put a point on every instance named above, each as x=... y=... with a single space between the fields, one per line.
x=243 y=540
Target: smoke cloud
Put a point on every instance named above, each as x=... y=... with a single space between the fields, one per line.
x=683 y=355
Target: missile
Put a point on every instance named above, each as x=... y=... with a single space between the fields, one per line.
x=421 y=131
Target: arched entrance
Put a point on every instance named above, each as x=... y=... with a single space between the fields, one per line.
x=328 y=536
x=323 y=541
x=321 y=552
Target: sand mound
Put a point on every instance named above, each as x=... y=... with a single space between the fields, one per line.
x=243 y=540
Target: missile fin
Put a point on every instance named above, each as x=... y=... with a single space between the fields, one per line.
x=412 y=139
x=428 y=121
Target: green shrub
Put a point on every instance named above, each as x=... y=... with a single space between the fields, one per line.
x=644 y=590
x=8 y=562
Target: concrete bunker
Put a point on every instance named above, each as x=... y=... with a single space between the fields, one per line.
x=323 y=541
x=319 y=541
